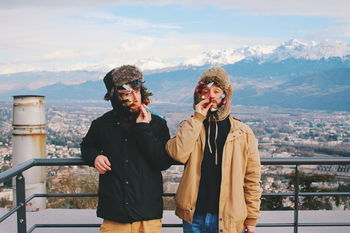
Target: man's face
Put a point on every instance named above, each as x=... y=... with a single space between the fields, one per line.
x=131 y=98
x=215 y=94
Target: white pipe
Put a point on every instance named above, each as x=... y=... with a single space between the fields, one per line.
x=28 y=142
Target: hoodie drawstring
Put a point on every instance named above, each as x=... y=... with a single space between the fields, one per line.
x=215 y=139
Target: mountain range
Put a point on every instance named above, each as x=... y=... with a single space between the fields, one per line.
x=294 y=74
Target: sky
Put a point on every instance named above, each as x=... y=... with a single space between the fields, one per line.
x=51 y=35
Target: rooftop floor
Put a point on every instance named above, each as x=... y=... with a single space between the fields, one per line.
x=78 y=216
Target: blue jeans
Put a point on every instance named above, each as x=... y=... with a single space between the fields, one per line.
x=207 y=223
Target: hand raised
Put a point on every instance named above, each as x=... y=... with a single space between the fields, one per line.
x=203 y=107
x=144 y=116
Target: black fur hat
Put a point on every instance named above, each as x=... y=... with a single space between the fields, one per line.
x=120 y=76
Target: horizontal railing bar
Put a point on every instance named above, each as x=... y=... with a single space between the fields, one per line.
x=312 y=224
x=82 y=225
x=60 y=226
x=264 y=161
x=75 y=161
x=61 y=195
x=39 y=162
x=288 y=194
x=275 y=225
x=308 y=224
x=324 y=194
x=16 y=170
x=304 y=161
x=59 y=162
x=8 y=214
x=171 y=225
x=325 y=224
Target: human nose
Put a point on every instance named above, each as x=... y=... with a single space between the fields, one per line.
x=134 y=95
x=212 y=93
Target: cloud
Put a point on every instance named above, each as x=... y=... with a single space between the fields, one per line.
x=68 y=35
x=61 y=38
x=326 y=8
x=341 y=31
x=137 y=44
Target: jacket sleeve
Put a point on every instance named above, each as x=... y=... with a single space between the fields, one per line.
x=153 y=144
x=181 y=146
x=90 y=146
x=252 y=192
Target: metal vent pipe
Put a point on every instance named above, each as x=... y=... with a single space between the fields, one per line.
x=28 y=142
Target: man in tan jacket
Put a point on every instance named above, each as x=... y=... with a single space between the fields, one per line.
x=220 y=187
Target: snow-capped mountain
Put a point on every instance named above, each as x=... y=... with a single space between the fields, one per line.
x=285 y=62
x=289 y=49
x=309 y=51
x=293 y=74
x=228 y=56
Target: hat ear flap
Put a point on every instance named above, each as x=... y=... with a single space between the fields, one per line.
x=109 y=85
x=109 y=94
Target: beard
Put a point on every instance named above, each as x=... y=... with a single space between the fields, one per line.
x=124 y=112
x=215 y=106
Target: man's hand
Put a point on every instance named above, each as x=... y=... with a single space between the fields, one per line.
x=144 y=116
x=249 y=229
x=203 y=107
x=102 y=164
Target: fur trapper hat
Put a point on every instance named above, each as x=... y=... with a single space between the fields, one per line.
x=222 y=80
x=120 y=76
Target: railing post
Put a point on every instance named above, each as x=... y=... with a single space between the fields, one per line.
x=296 y=200
x=20 y=197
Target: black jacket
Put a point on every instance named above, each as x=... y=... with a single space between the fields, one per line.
x=132 y=190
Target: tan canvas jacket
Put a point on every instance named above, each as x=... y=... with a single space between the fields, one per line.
x=240 y=185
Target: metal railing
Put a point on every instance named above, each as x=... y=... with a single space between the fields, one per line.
x=21 y=201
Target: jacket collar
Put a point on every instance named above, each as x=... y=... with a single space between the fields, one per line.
x=235 y=131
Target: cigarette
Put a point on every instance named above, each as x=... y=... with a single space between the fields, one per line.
x=155 y=113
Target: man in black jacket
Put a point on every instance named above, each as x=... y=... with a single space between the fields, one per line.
x=127 y=147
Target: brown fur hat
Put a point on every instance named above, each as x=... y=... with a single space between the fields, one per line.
x=120 y=76
x=222 y=80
